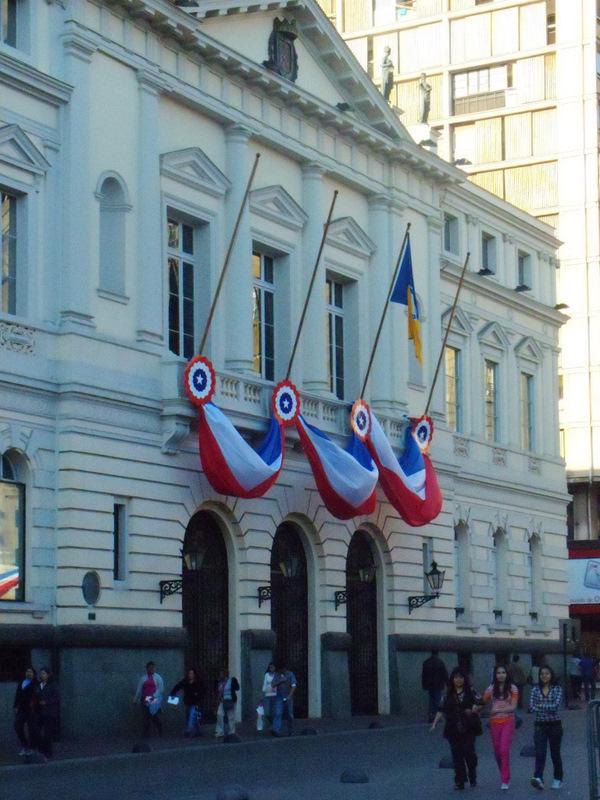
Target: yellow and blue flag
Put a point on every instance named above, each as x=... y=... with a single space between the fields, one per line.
x=404 y=293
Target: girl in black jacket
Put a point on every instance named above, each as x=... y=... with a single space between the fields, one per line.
x=47 y=705
x=460 y=707
x=24 y=711
x=193 y=698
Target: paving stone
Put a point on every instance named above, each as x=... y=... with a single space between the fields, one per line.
x=376 y=725
x=141 y=747
x=232 y=738
x=528 y=751
x=309 y=732
x=234 y=792
x=446 y=763
x=354 y=776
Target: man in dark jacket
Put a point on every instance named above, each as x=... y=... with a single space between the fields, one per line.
x=434 y=678
x=24 y=711
x=47 y=703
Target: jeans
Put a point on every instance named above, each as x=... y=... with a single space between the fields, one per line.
x=464 y=758
x=284 y=709
x=435 y=698
x=548 y=733
x=268 y=702
x=27 y=738
x=46 y=732
x=589 y=687
x=192 y=721
x=502 y=735
x=148 y=720
x=225 y=721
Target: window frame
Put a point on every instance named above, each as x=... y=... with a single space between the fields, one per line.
x=13 y=274
x=458 y=388
x=183 y=258
x=120 y=541
x=14 y=14
x=489 y=248
x=490 y=363
x=527 y=421
x=334 y=313
x=262 y=365
x=524 y=273
x=20 y=593
x=451 y=237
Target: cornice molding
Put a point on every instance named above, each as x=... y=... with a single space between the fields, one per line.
x=30 y=81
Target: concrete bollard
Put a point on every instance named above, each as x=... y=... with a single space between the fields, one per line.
x=234 y=792
x=354 y=776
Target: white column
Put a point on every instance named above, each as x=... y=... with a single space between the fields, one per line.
x=546 y=422
x=510 y=400
x=396 y=336
x=76 y=278
x=507 y=268
x=150 y=224
x=236 y=302
x=476 y=381
x=313 y=345
x=379 y=388
x=432 y=337
x=473 y=243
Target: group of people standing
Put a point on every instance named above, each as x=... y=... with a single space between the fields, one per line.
x=36 y=709
x=461 y=706
x=275 y=705
x=584 y=672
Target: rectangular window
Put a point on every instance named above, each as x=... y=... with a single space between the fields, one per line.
x=523 y=270
x=491 y=401
x=481 y=89
x=488 y=253
x=12 y=541
x=527 y=411
x=8 y=252
x=334 y=298
x=453 y=388
x=450 y=234
x=8 y=22
x=181 y=266
x=561 y=442
x=119 y=541
x=263 y=316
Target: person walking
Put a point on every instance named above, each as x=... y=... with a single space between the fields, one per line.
x=269 y=693
x=460 y=708
x=575 y=677
x=284 y=683
x=545 y=702
x=149 y=693
x=24 y=708
x=227 y=689
x=517 y=675
x=503 y=697
x=47 y=705
x=434 y=678
x=193 y=698
x=588 y=676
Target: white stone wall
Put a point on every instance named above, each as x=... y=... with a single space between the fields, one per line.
x=94 y=402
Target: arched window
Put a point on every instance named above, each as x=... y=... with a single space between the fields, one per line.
x=12 y=531
x=112 y=195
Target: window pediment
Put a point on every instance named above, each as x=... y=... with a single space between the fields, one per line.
x=275 y=204
x=529 y=349
x=17 y=149
x=192 y=167
x=461 y=325
x=494 y=335
x=347 y=234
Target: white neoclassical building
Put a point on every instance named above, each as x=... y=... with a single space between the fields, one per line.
x=127 y=132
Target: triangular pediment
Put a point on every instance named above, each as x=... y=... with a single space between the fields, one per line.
x=275 y=204
x=192 y=167
x=17 y=149
x=494 y=335
x=461 y=324
x=347 y=234
x=327 y=68
x=528 y=348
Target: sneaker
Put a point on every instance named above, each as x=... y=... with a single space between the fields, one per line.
x=556 y=784
x=459 y=786
x=504 y=786
x=23 y=752
x=537 y=783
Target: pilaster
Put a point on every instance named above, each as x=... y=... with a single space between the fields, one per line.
x=379 y=388
x=434 y=320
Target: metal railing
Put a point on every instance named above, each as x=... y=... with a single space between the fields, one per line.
x=593 y=743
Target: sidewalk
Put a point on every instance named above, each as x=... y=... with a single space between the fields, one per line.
x=98 y=747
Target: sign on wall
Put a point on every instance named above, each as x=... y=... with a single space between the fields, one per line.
x=584 y=580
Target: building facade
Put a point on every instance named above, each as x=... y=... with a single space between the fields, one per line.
x=514 y=101
x=127 y=133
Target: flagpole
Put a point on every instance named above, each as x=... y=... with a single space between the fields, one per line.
x=310 y=287
x=213 y=306
x=447 y=333
x=385 y=308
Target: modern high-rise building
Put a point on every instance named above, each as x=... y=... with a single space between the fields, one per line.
x=514 y=99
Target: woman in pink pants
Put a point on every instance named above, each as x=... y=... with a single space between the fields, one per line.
x=503 y=696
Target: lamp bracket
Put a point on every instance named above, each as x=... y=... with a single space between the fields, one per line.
x=416 y=601
x=169 y=587
x=341 y=597
x=264 y=593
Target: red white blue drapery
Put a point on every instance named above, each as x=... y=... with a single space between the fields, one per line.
x=9 y=579
x=231 y=465
x=408 y=481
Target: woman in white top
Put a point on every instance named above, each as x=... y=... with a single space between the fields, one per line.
x=269 y=693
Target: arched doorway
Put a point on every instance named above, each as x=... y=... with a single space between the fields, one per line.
x=206 y=601
x=361 y=610
x=289 y=609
